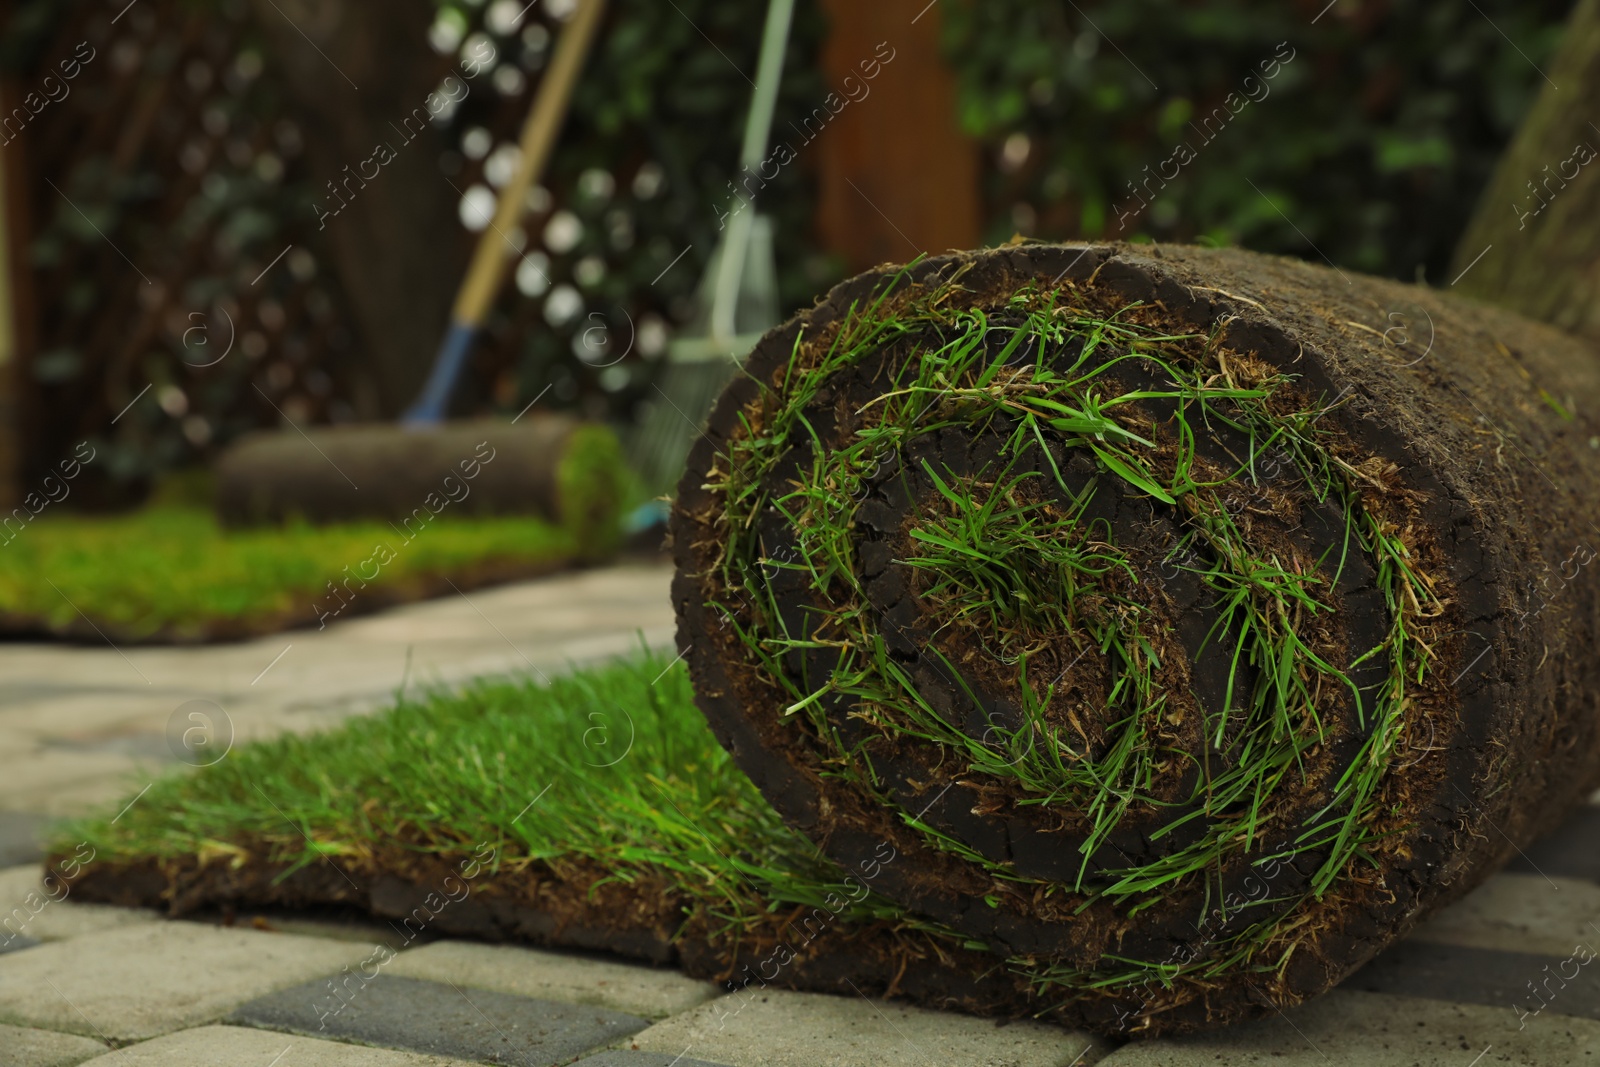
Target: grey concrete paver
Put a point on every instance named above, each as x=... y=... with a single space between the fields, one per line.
x=235 y=1046
x=773 y=1028
x=16 y=943
x=148 y=979
x=20 y=837
x=1569 y=852
x=34 y=908
x=648 y=991
x=441 y=1019
x=1373 y=1030
x=1518 y=981
x=1521 y=913
x=76 y=721
x=25 y=1047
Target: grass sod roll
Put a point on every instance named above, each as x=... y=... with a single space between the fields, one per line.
x=1189 y=623
x=565 y=471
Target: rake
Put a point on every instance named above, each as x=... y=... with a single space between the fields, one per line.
x=737 y=300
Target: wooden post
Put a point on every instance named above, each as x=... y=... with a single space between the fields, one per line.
x=896 y=175
x=16 y=311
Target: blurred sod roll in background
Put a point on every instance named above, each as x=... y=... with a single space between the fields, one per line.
x=555 y=467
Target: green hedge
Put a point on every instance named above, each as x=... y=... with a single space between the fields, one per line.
x=1368 y=147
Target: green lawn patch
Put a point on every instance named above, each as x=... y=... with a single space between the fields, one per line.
x=612 y=764
x=169 y=572
x=601 y=792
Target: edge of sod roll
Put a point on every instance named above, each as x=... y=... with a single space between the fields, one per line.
x=593 y=482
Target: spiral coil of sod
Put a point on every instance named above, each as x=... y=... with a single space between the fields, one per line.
x=1127 y=613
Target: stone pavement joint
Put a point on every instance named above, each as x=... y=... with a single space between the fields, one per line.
x=654 y=993
x=16 y=943
x=151 y=978
x=777 y=1028
x=441 y=1019
x=23 y=1047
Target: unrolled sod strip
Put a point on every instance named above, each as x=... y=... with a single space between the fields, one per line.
x=1190 y=623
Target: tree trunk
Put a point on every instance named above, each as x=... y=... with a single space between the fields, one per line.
x=1537 y=227
x=357 y=71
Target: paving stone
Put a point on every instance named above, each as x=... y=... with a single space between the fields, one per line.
x=1508 y=980
x=211 y=1046
x=1569 y=852
x=1371 y=1030
x=775 y=1028
x=77 y=720
x=16 y=943
x=24 y=1047
x=32 y=910
x=631 y=1058
x=654 y=993
x=20 y=835
x=441 y=1019
x=1521 y=913
x=151 y=978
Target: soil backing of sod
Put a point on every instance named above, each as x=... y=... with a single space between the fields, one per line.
x=1400 y=491
x=1190 y=622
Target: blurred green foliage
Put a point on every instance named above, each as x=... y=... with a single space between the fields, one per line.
x=220 y=186
x=665 y=95
x=1369 y=147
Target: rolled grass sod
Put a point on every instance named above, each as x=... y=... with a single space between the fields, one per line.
x=170 y=573
x=550 y=466
x=1139 y=639
x=1189 y=623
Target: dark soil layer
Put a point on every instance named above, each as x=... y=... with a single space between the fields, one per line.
x=804 y=949
x=1467 y=435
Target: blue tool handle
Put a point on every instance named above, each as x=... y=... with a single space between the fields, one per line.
x=433 y=402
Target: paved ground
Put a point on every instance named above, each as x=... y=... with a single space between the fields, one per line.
x=76 y=721
x=1501 y=978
